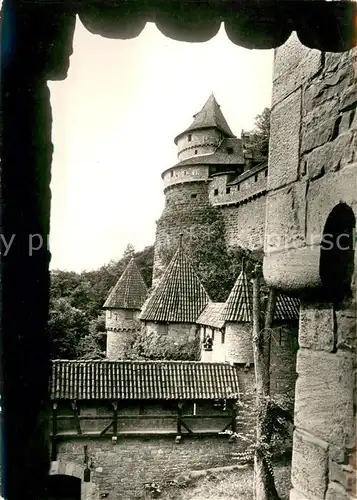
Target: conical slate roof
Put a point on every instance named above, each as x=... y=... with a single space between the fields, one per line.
x=239 y=303
x=209 y=116
x=179 y=297
x=130 y=291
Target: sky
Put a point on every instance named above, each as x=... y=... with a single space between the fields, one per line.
x=114 y=121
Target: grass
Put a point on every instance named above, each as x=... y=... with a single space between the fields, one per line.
x=234 y=484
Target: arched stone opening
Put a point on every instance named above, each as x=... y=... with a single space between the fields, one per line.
x=337 y=253
x=62 y=487
x=70 y=480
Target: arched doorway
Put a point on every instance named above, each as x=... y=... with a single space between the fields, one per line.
x=71 y=482
x=337 y=253
x=62 y=487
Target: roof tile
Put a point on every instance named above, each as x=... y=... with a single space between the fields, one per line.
x=130 y=290
x=179 y=297
x=209 y=116
x=212 y=315
x=239 y=303
x=138 y=380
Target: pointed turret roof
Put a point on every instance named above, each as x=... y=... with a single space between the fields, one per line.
x=239 y=303
x=179 y=297
x=209 y=116
x=130 y=291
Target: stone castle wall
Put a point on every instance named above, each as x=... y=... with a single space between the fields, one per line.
x=312 y=170
x=183 y=214
x=122 y=326
x=202 y=141
x=121 y=470
x=178 y=333
x=243 y=211
x=244 y=224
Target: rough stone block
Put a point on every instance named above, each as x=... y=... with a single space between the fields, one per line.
x=316 y=327
x=309 y=465
x=324 y=194
x=330 y=156
x=337 y=492
x=294 y=269
x=346 y=323
x=286 y=218
x=312 y=137
x=324 y=395
x=343 y=474
x=285 y=141
x=297 y=495
x=293 y=65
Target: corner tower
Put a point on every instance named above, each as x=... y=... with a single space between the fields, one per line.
x=173 y=307
x=206 y=148
x=123 y=307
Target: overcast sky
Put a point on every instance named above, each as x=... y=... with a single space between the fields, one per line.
x=115 y=118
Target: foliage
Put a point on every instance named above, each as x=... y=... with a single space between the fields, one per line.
x=153 y=347
x=204 y=243
x=76 y=324
x=258 y=145
x=67 y=325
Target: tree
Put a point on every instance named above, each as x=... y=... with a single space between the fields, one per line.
x=152 y=347
x=258 y=144
x=270 y=413
x=92 y=345
x=67 y=325
x=129 y=251
x=76 y=323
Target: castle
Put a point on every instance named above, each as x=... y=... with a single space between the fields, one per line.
x=214 y=169
x=143 y=405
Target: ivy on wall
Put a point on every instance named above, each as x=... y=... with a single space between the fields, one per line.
x=204 y=243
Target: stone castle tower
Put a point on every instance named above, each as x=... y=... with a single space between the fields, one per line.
x=207 y=147
x=172 y=308
x=123 y=307
x=213 y=170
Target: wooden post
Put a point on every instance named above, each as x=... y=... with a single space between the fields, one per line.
x=269 y=318
x=264 y=485
x=234 y=416
x=179 y=417
x=76 y=417
x=54 y=432
x=115 y=420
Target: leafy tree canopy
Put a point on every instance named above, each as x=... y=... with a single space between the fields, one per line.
x=258 y=144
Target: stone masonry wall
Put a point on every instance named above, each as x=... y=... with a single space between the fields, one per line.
x=182 y=215
x=313 y=168
x=178 y=333
x=121 y=331
x=121 y=470
x=244 y=224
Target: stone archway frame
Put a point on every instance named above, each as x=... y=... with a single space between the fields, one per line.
x=89 y=491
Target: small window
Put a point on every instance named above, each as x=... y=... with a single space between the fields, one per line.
x=228 y=190
x=230 y=151
x=255 y=177
x=223 y=337
x=129 y=314
x=162 y=328
x=194 y=195
x=266 y=173
x=215 y=192
x=238 y=187
x=195 y=151
x=172 y=173
x=189 y=138
x=185 y=172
